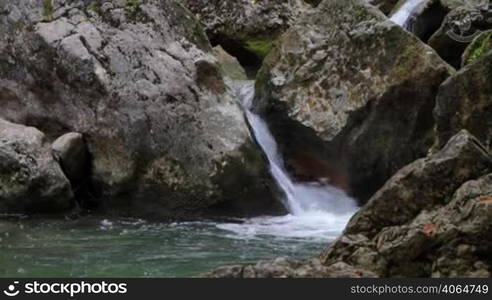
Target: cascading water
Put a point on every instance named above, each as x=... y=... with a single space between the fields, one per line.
x=320 y=212
x=403 y=15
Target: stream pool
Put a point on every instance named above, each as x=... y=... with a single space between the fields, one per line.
x=92 y=247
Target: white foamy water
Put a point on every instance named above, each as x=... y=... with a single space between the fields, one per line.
x=403 y=15
x=317 y=211
x=310 y=227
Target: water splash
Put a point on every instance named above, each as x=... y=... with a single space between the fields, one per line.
x=403 y=15
x=313 y=207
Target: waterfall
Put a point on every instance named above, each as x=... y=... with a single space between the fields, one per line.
x=404 y=13
x=299 y=198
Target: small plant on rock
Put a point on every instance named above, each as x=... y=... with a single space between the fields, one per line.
x=132 y=7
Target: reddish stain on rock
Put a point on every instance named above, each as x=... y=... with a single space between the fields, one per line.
x=486 y=199
x=428 y=228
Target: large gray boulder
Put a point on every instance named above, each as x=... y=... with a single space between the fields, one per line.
x=138 y=79
x=356 y=88
x=432 y=218
x=30 y=179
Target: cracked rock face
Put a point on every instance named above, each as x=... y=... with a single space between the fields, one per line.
x=30 y=179
x=359 y=84
x=140 y=83
x=432 y=218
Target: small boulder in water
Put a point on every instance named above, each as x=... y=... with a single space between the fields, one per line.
x=30 y=180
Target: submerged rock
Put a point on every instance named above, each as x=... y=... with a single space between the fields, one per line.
x=140 y=82
x=283 y=268
x=355 y=88
x=464 y=102
x=30 y=180
x=414 y=225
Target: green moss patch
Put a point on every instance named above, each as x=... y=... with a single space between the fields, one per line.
x=480 y=46
x=132 y=7
x=94 y=6
x=48 y=10
x=260 y=48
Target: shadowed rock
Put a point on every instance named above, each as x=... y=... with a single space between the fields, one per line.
x=70 y=151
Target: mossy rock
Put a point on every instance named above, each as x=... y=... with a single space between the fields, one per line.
x=362 y=85
x=260 y=48
x=132 y=7
x=480 y=46
x=48 y=10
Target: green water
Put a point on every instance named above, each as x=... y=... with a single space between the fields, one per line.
x=135 y=248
